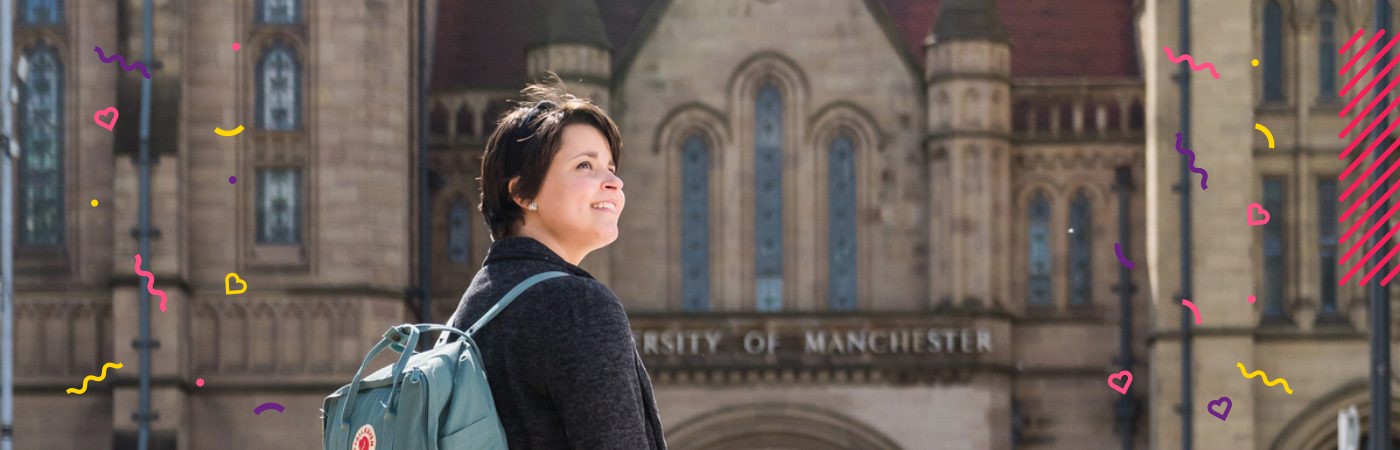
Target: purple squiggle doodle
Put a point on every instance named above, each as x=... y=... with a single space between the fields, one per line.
x=1191 y=161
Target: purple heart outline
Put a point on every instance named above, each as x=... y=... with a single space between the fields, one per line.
x=1210 y=407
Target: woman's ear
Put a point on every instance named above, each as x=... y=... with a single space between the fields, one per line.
x=510 y=188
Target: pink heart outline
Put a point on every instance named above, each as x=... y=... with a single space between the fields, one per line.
x=1210 y=407
x=1124 y=389
x=1249 y=215
x=97 y=117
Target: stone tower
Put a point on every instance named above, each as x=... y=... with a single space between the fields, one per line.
x=571 y=42
x=968 y=81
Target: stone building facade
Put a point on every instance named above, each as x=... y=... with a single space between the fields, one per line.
x=880 y=224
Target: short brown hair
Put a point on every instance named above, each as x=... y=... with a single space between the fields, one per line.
x=524 y=144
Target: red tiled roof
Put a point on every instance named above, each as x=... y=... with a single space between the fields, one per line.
x=481 y=44
x=1049 y=38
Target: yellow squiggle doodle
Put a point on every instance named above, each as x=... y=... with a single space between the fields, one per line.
x=97 y=378
x=1265 y=377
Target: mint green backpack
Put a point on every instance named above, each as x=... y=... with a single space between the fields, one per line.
x=437 y=399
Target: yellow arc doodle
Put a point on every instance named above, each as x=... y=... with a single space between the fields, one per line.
x=235 y=131
x=1257 y=126
x=98 y=378
x=1265 y=377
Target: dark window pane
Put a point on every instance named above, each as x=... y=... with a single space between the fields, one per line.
x=36 y=12
x=841 y=222
x=1275 y=250
x=768 y=198
x=1327 y=49
x=695 y=224
x=459 y=237
x=279 y=206
x=279 y=11
x=40 y=130
x=1038 y=255
x=1081 y=220
x=1327 y=242
x=1273 y=52
x=279 y=90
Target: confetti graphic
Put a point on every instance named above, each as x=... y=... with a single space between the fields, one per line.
x=1191 y=161
x=150 y=283
x=1365 y=218
x=1265 y=378
x=1191 y=62
x=266 y=406
x=121 y=62
x=101 y=377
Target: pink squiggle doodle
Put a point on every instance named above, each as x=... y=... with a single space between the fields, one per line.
x=1191 y=62
x=1188 y=304
x=121 y=62
x=150 y=283
x=1191 y=161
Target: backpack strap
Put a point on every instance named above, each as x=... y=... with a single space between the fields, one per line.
x=510 y=297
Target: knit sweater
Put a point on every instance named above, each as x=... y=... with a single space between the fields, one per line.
x=563 y=368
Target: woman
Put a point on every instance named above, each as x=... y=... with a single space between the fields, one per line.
x=563 y=368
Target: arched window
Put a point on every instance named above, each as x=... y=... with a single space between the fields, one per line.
x=768 y=198
x=1081 y=242
x=279 y=11
x=494 y=110
x=1327 y=50
x=1327 y=243
x=1273 y=51
x=464 y=122
x=279 y=90
x=841 y=222
x=279 y=206
x=1038 y=255
x=41 y=163
x=459 y=233
x=437 y=120
x=1275 y=255
x=36 y=12
x=695 y=223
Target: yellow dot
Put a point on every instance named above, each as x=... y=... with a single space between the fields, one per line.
x=94 y=203
x=1254 y=62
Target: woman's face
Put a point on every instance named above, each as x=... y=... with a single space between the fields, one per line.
x=581 y=197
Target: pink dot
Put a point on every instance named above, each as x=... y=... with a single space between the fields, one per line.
x=199 y=382
x=1251 y=299
x=235 y=46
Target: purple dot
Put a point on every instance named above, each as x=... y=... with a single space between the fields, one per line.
x=232 y=180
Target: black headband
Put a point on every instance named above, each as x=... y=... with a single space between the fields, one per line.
x=515 y=156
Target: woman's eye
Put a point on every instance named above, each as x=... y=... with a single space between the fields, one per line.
x=585 y=165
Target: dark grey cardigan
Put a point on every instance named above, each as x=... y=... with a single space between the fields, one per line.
x=563 y=368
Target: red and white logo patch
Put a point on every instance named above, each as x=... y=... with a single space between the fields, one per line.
x=364 y=439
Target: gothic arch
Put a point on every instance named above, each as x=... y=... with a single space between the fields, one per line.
x=828 y=123
x=776 y=425
x=744 y=85
x=712 y=126
x=1315 y=428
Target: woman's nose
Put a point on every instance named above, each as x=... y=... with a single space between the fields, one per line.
x=613 y=181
